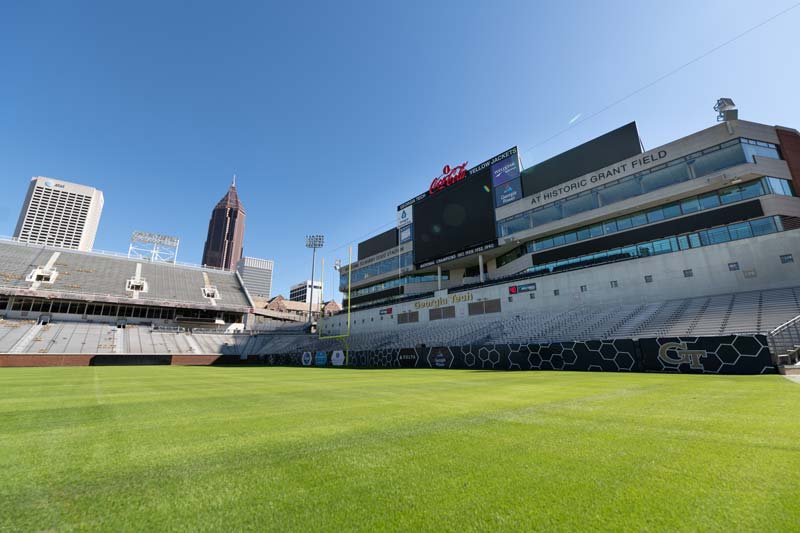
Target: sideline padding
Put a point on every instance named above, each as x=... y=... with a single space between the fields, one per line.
x=733 y=354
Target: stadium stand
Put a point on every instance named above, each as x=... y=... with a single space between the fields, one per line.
x=90 y=274
x=754 y=312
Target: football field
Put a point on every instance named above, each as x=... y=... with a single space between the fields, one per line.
x=305 y=449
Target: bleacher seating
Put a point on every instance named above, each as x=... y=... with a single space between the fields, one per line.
x=25 y=336
x=738 y=313
x=95 y=274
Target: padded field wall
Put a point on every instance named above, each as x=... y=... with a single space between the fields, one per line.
x=733 y=354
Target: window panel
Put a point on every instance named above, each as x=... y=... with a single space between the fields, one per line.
x=665 y=177
x=740 y=231
x=719 y=159
x=718 y=235
x=709 y=201
x=751 y=189
x=623 y=190
x=690 y=205
x=763 y=226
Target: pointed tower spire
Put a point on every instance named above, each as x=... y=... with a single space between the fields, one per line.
x=223 y=247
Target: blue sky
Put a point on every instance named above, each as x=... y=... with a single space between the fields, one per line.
x=332 y=114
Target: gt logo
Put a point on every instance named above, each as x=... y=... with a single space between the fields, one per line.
x=684 y=355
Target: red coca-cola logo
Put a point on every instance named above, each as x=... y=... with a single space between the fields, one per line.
x=449 y=176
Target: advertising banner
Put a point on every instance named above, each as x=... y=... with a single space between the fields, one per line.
x=505 y=170
x=405 y=216
x=406 y=234
x=407 y=358
x=516 y=289
x=732 y=354
x=321 y=359
x=508 y=192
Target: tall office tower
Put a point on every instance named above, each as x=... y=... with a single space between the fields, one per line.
x=223 y=247
x=303 y=291
x=60 y=213
x=256 y=275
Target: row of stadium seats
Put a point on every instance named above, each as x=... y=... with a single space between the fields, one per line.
x=741 y=313
x=24 y=336
x=85 y=273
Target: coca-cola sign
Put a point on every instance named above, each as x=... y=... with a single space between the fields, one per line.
x=449 y=177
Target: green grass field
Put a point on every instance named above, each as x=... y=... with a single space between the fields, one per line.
x=224 y=448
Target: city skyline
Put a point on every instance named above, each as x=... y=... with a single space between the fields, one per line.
x=158 y=123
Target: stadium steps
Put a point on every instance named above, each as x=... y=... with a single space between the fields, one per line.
x=119 y=341
x=194 y=347
x=698 y=317
x=628 y=328
x=22 y=344
x=625 y=319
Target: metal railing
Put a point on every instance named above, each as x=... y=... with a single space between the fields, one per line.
x=785 y=337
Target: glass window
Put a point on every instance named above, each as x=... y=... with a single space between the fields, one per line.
x=694 y=240
x=558 y=240
x=779 y=186
x=610 y=227
x=787 y=258
x=751 y=189
x=624 y=223
x=707 y=201
x=655 y=215
x=671 y=210
x=513 y=225
x=718 y=235
x=665 y=177
x=729 y=195
x=645 y=250
x=544 y=244
x=583 y=233
x=629 y=251
x=683 y=242
x=639 y=219
x=740 y=231
x=719 y=159
x=545 y=215
x=570 y=237
x=690 y=205
x=661 y=246
x=627 y=188
x=752 y=150
x=733 y=267
x=579 y=204
x=763 y=226
x=596 y=230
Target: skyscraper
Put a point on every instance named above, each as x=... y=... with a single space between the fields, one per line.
x=256 y=275
x=60 y=213
x=223 y=247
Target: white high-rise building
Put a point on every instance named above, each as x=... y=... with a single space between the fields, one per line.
x=256 y=275
x=60 y=213
x=302 y=292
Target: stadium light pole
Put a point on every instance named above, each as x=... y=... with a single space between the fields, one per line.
x=314 y=242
